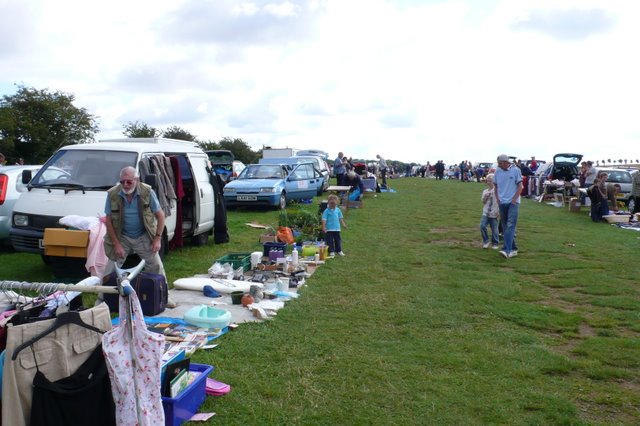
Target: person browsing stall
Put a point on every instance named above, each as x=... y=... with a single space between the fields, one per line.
x=357 y=187
x=508 y=186
x=135 y=223
x=339 y=168
x=383 y=169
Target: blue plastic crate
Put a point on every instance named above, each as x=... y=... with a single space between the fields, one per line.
x=181 y=408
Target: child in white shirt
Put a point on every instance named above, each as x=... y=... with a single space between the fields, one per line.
x=490 y=213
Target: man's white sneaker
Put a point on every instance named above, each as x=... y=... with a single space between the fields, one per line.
x=332 y=255
x=513 y=253
x=504 y=254
x=341 y=253
x=486 y=245
x=495 y=247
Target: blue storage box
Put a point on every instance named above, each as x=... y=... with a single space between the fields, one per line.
x=181 y=408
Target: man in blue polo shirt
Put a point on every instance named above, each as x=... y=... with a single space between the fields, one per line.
x=508 y=183
x=135 y=222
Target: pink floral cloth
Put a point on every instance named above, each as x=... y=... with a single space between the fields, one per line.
x=134 y=369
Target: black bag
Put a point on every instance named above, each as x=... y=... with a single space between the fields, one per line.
x=152 y=291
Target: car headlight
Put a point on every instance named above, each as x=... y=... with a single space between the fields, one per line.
x=269 y=189
x=20 y=220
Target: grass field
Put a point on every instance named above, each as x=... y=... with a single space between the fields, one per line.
x=419 y=325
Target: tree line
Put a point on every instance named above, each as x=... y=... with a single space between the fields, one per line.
x=35 y=123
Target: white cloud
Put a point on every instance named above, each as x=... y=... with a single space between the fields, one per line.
x=413 y=81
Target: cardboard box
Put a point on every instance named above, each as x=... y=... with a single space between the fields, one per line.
x=575 y=205
x=356 y=204
x=268 y=238
x=65 y=243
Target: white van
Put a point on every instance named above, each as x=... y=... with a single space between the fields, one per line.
x=75 y=180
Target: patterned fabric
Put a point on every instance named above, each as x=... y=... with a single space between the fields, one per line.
x=134 y=365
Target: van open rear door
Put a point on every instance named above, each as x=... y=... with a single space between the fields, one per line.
x=203 y=193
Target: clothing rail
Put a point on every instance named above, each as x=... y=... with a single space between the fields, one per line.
x=53 y=287
x=87 y=285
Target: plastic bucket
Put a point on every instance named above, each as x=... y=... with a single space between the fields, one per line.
x=236 y=297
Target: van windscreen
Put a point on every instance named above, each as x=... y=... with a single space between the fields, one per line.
x=90 y=169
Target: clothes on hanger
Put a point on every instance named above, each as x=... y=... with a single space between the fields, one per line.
x=134 y=359
x=56 y=355
x=83 y=398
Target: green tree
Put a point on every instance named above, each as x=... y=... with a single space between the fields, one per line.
x=175 y=132
x=209 y=145
x=34 y=123
x=139 y=129
x=241 y=150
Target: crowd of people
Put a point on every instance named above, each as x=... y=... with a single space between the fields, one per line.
x=3 y=161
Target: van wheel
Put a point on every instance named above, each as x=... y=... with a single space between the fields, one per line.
x=200 y=239
x=282 y=203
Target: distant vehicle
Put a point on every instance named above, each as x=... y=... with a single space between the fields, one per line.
x=318 y=163
x=222 y=163
x=565 y=167
x=623 y=178
x=279 y=152
x=485 y=165
x=316 y=152
x=11 y=187
x=273 y=185
x=238 y=167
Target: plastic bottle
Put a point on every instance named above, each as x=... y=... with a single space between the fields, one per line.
x=294 y=257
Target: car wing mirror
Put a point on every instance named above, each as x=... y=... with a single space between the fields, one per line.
x=26 y=176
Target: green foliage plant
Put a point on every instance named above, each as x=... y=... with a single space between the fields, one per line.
x=307 y=221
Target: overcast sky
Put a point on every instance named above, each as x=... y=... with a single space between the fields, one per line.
x=412 y=80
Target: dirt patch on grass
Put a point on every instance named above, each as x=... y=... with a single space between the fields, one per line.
x=560 y=304
x=447 y=242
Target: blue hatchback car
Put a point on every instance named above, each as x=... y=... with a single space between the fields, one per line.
x=273 y=185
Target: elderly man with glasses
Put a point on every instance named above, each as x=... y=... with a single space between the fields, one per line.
x=135 y=223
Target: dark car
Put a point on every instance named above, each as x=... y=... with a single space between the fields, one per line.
x=222 y=163
x=565 y=167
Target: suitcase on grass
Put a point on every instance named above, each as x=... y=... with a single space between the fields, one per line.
x=152 y=291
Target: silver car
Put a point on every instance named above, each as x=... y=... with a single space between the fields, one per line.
x=622 y=177
x=11 y=187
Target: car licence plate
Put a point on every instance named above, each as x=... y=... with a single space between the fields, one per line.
x=247 y=197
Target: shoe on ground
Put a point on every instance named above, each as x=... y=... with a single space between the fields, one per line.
x=514 y=253
x=504 y=254
x=495 y=247
x=341 y=253
x=486 y=245
x=332 y=255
